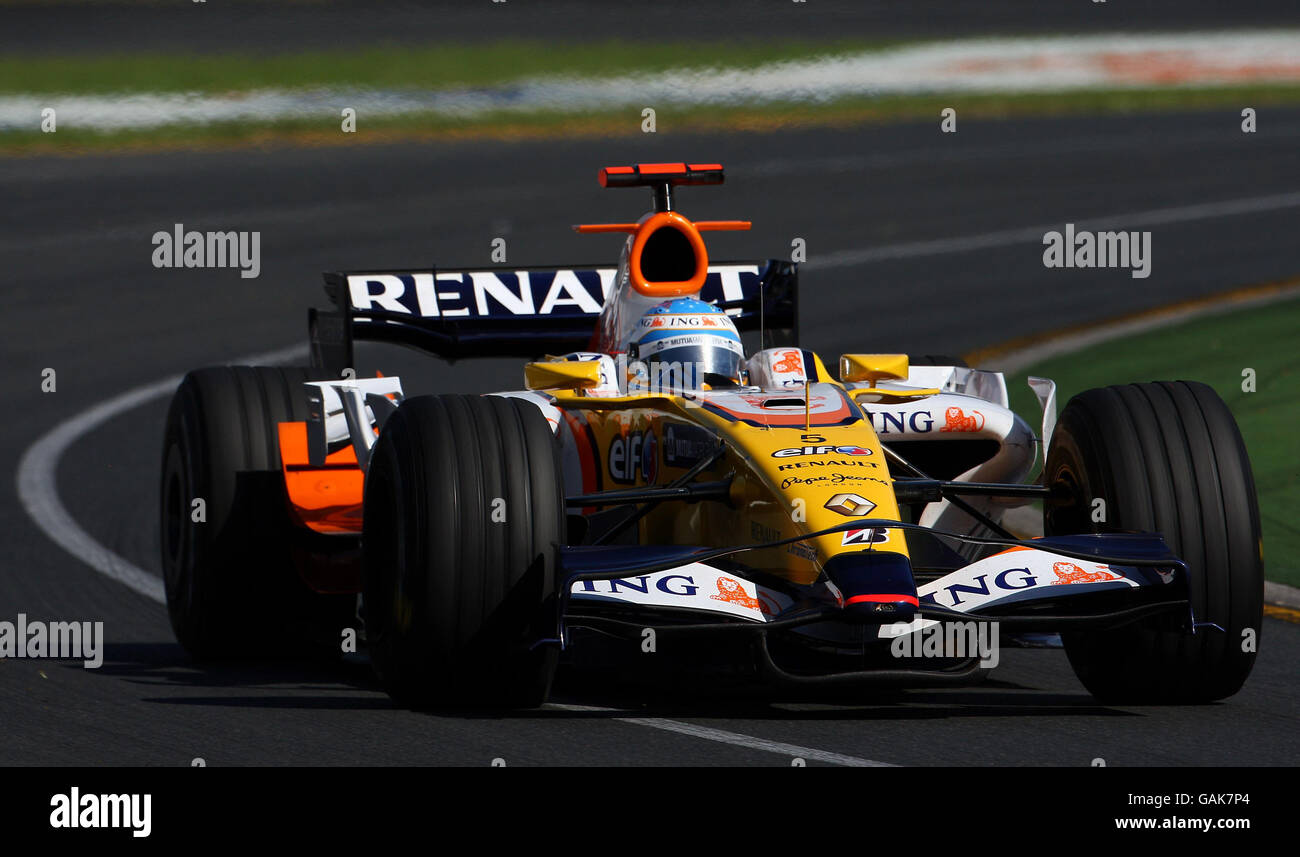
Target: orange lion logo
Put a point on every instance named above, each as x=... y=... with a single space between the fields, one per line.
x=791 y=361
x=732 y=592
x=955 y=419
x=1068 y=572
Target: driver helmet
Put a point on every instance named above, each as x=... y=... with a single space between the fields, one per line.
x=686 y=344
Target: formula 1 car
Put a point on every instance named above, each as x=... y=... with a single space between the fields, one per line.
x=655 y=482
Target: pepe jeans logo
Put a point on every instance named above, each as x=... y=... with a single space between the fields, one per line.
x=831 y=479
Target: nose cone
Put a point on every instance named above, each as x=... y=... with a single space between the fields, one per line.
x=882 y=609
x=877 y=586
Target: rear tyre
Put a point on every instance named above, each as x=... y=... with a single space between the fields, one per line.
x=464 y=508
x=231 y=584
x=1164 y=457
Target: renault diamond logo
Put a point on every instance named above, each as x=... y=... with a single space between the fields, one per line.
x=852 y=505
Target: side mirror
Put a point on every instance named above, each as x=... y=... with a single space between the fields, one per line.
x=562 y=375
x=873 y=367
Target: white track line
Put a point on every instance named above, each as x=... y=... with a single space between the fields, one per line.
x=1026 y=234
x=735 y=738
x=38 y=478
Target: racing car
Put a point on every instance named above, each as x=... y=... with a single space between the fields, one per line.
x=677 y=470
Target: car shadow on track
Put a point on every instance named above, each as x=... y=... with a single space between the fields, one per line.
x=603 y=698
x=348 y=683
x=320 y=682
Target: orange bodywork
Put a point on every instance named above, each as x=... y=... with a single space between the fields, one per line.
x=673 y=171
x=649 y=226
x=631 y=228
x=325 y=499
x=723 y=225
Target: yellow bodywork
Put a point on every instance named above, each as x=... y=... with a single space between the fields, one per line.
x=787 y=480
x=873 y=367
x=562 y=375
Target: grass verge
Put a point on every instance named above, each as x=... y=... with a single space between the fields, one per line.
x=1215 y=349
x=425 y=67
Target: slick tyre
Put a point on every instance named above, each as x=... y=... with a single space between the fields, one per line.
x=225 y=531
x=464 y=509
x=1164 y=457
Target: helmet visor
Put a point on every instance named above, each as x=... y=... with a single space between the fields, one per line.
x=692 y=361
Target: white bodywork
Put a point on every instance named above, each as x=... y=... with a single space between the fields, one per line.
x=350 y=409
x=997 y=581
x=778 y=369
x=693 y=586
x=972 y=404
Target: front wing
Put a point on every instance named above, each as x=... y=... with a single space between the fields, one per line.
x=1046 y=584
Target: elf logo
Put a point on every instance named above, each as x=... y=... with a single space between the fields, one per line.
x=792 y=451
x=637 y=452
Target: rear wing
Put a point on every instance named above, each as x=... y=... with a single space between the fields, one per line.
x=457 y=313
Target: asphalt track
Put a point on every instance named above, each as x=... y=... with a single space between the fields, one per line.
x=917 y=241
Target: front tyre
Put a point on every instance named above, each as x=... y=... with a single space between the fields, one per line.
x=1164 y=457
x=464 y=508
